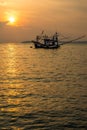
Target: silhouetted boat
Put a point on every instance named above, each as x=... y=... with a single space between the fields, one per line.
x=43 y=41
x=46 y=42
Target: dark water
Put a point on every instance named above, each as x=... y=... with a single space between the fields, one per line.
x=43 y=89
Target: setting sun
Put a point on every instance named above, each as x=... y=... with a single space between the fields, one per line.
x=11 y=19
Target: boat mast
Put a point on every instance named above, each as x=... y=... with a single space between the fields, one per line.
x=55 y=39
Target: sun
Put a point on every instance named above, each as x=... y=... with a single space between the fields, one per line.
x=11 y=19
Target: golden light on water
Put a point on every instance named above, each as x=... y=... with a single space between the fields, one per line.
x=11 y=64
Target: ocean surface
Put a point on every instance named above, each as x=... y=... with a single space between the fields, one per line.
x=43 y=89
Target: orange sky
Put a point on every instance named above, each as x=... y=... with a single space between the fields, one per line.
x=64 y=16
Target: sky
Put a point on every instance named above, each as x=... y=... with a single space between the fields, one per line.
x=23 y=19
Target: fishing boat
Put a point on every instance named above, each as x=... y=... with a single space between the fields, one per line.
x=52 y=42
x=46 y=42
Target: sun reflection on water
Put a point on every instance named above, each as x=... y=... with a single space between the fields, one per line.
x=11 y=53
x=10 y=92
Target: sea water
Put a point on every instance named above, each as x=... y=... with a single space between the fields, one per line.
x=43 y=89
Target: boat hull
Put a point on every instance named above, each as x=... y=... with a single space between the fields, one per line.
x=40 y=45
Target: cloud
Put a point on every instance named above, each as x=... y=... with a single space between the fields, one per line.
x=3 y=3
x=3 y=23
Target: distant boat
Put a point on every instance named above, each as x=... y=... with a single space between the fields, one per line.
x=46 y=42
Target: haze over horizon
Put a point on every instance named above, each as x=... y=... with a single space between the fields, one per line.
x=23 y=20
